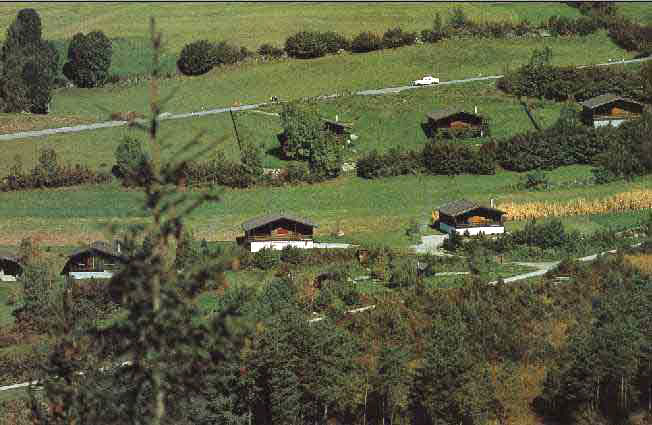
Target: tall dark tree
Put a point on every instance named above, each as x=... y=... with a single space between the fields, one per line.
x=29 y=66
x=89 y=59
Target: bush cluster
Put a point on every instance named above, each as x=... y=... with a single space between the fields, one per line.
x=49 y=173
x=201 y=56
x=552 y=148
x=313 y=44
x=396 y=37
x=270 y=51
x=450 y=158
x=366 y=42
x=540 y=79
x=89 y=59
x=437 y=157
x=620 y=151
x=395 y=162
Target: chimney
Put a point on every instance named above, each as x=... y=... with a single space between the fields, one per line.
x=336 y=118
x=116 y=246
x=492 y=203
x=475 y=108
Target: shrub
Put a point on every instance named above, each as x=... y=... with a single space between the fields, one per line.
x=224 y=53
x=293 y=255
x=536 y=180
x=270 y=51
x=403 y=273
x=266 y=259
x=305 y=45
x=302 y=128
x=89 y=59
x=396 y=37
x=132 y=163
x=450 y=158
x=297 y=172
x=436 y=33
x=393 y=163
x=49 y=173
x=366 y=42
x=458 y=19
x=334 y=42
x=326 y=157
x=196 y=58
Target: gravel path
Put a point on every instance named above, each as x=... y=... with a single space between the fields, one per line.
x=373 y=92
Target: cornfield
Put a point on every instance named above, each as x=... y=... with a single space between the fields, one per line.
x=626 y=201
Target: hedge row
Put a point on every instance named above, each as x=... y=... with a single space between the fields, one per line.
x=542 y=80
x=565 y=143
x=629 y=35
x=201 y=56
x=437 y=158
x=49 y=173
x=620 y=151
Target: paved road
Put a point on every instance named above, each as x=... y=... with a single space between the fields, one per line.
x=382 y=91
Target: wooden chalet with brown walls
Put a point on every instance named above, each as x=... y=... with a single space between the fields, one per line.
x=456 y=123
x=277 y=231
x=466 y=217
x=341 y=130
x=610 y=109
x=99 y=260
x=10 y=266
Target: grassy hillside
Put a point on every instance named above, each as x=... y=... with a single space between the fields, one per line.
x=251 y=24
x=376 y=210
x=380 y=122
x=250 y=83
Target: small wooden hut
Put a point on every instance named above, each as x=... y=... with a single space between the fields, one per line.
x=341 y=130
x=277 y=231
x=99 y=260
x=464 y=217
x=10 y=266
x=610 y=109
x=456 y=123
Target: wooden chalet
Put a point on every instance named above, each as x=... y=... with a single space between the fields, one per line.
x=610 y=109
x=341 y=130
x=99 y=260
x=10 y=266
x=277 y=231
x=456 y=123
x=464 y=217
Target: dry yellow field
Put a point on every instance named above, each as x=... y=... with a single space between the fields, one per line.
x=620 y=202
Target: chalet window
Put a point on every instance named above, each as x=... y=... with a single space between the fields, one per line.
x=281 y=231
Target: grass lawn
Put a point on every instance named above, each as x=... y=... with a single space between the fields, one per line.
x=250 y=83
x=368 y=210
x=247 y=24
x=380 y=122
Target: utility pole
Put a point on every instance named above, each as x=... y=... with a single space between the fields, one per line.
x=235 y=130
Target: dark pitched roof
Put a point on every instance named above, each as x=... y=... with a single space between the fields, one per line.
x=340 y=123
x=603 y=99
x=461 y=206
x=261 y=221
x=99 y=246
x=9 y=256
x=445 y=113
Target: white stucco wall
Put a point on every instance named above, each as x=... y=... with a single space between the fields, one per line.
x=489 y=230
x=6 y=277
x=91 y=275
x=613 y=123
x=278 y=245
